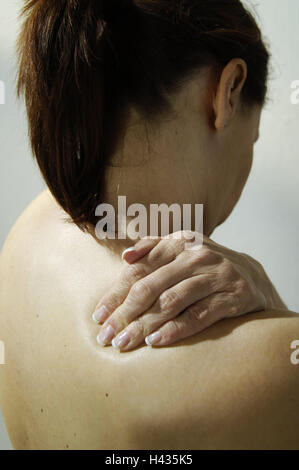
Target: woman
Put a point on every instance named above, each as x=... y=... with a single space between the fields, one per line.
x=159 y=101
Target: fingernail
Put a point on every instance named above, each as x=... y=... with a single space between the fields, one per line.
x=153 y=338
x=106 y=335
x=100 y=315
x=121 y=340
x=128 y=250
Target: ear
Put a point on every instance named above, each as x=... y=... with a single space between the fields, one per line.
x=228 y=94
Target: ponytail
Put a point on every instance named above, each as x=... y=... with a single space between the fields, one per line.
x=63 y=74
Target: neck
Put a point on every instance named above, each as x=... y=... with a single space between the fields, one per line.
x=153 y=167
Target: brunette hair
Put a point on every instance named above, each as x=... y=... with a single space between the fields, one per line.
x=82 y=63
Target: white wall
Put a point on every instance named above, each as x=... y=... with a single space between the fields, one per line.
x=266 y=221
x=19 y=178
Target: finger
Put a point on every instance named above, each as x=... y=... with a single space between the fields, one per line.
x=195 y=319
x=142 y=295
x=168 y=306
x=142 y=248
x=157 y=257
x=116 y=296
x=144 y=292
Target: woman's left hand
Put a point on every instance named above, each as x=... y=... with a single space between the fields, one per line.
x=167 y=293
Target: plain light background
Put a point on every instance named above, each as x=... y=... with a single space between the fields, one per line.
x=265 y=224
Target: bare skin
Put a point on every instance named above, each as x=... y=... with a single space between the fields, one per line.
x=230 y=387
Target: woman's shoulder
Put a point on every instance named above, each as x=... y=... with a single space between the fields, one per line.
x=236 y=386
x=43 y=240
x=31 y=227
x=48 y=268
x=42 y=222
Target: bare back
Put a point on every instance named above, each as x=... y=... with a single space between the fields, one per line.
x=232 y=386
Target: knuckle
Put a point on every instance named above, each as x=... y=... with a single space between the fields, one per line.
x=118 y=322
x=165 y=251
x=155 y=255
x=243 y=286
x=169 y=250
x=195 y=313
x=112 y=301
x=170 y=300
x=233 y=311
x=172 y=331
x=230 y=271
x=137 y=329
x=205 y=255
x=141 y=289
x=134 y=272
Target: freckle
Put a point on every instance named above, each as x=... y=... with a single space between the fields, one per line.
x=107 y=395
x=67 y=446
x=75 y=435
x=37 y=316
x=41 y=410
